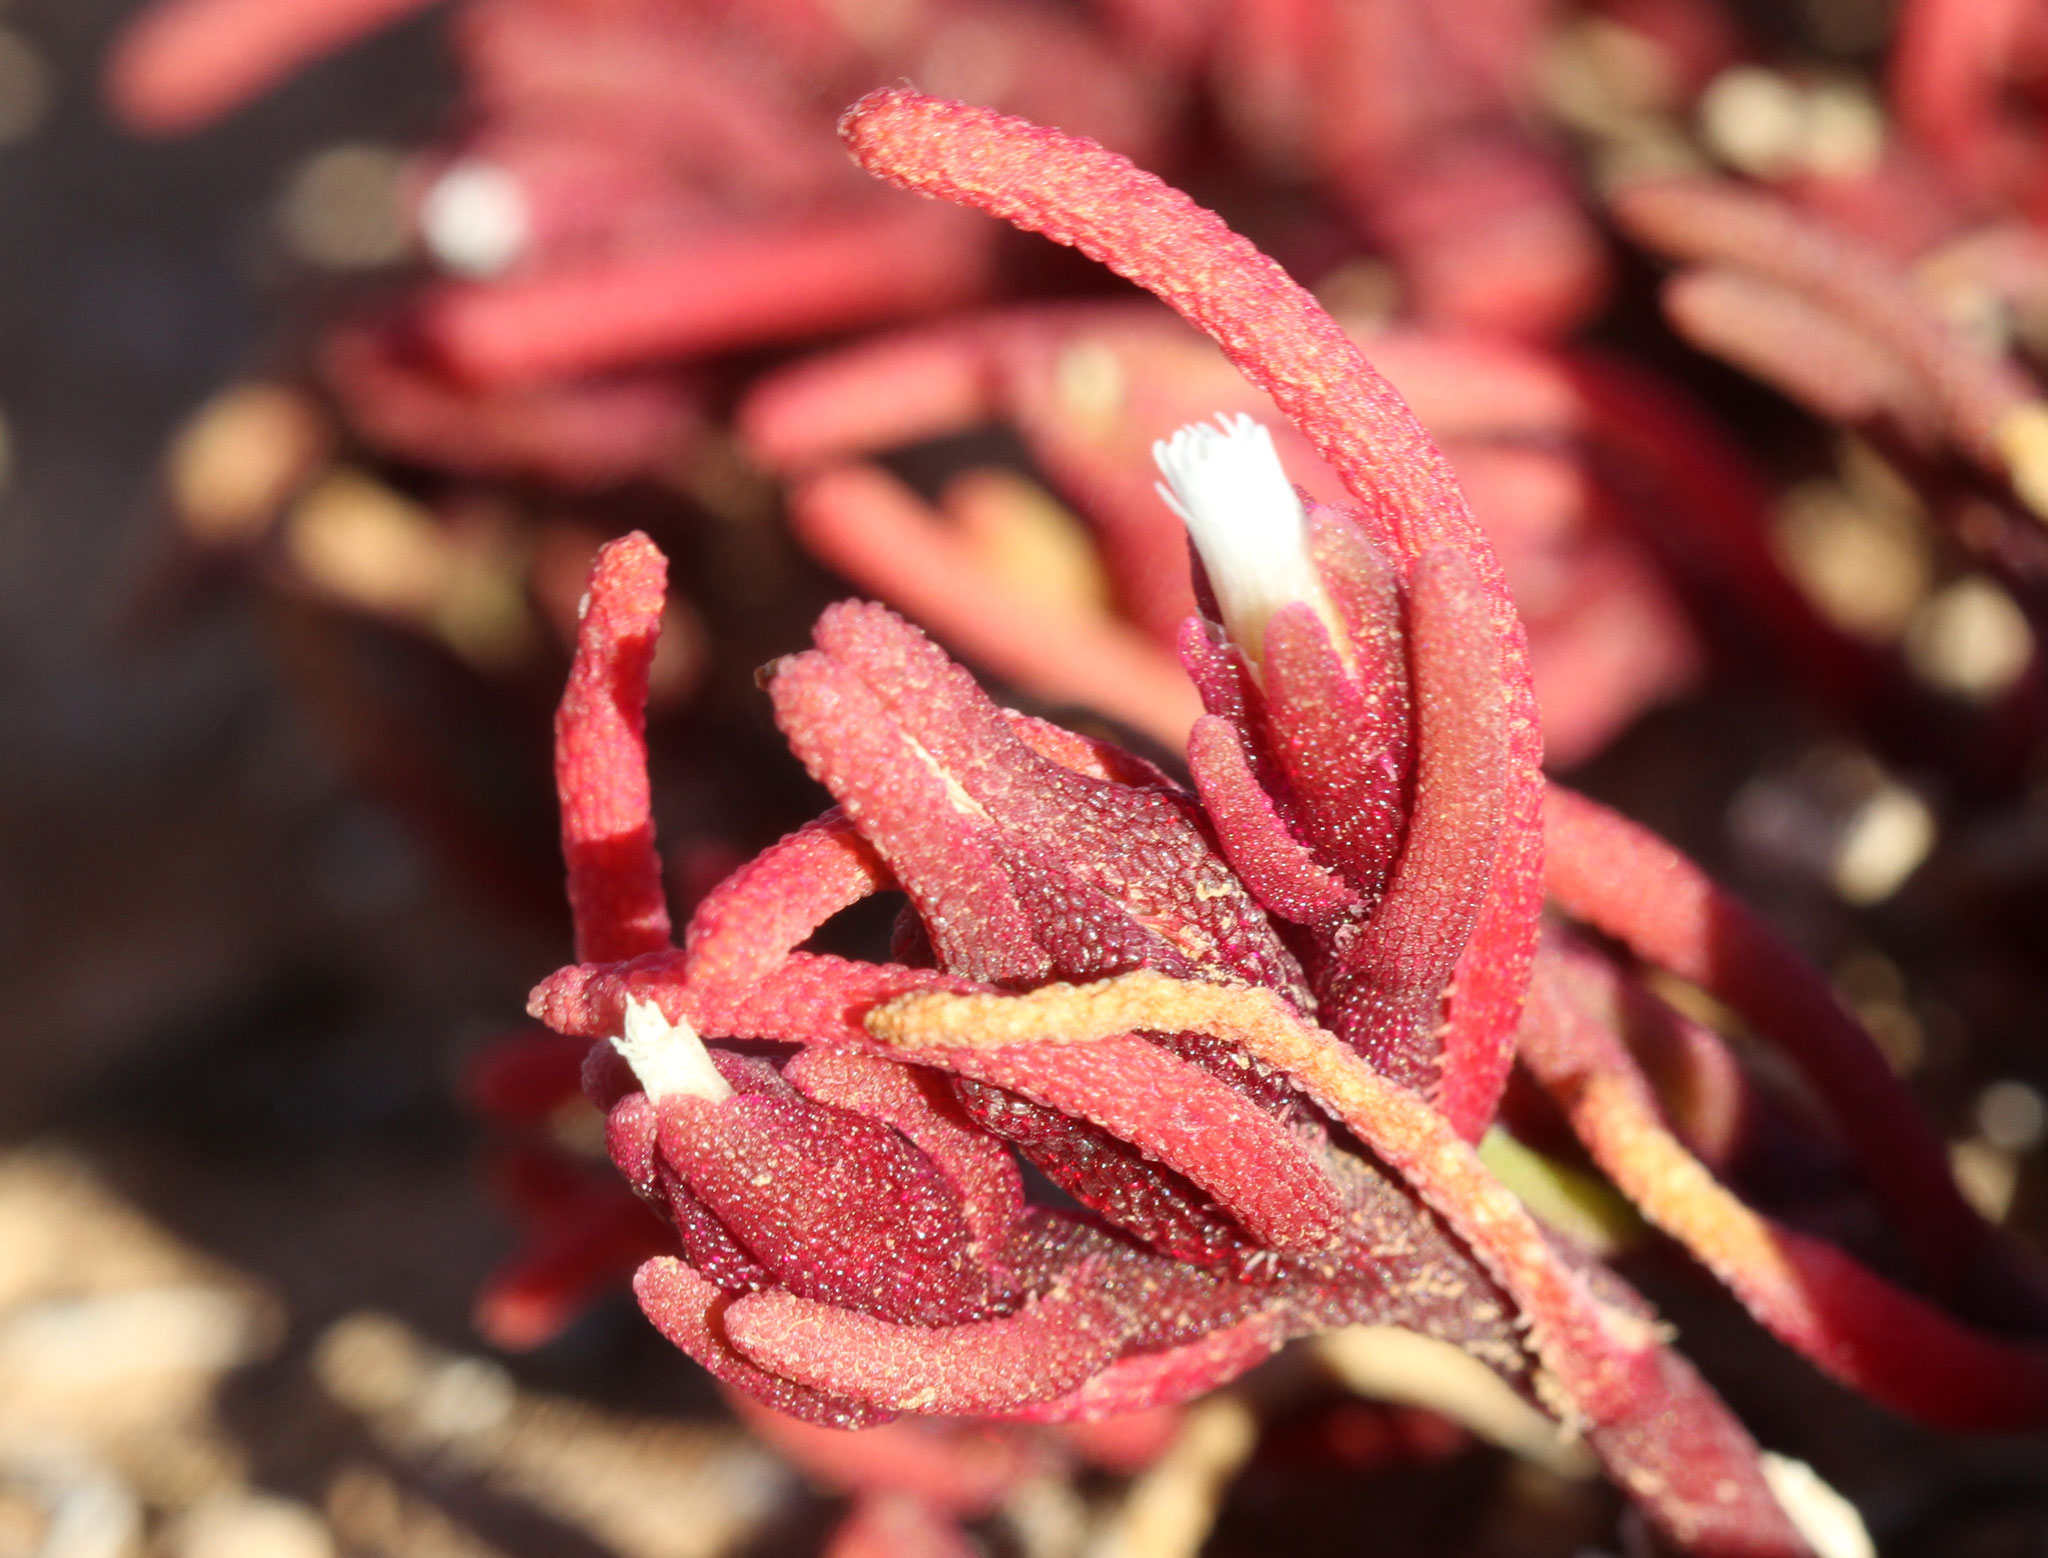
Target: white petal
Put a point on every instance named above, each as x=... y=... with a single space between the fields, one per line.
x=1227 y=485
x=668 y=1057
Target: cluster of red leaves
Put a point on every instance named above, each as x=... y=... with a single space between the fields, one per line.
x=656 y=191
x=1249 y=1032
x=638 y=190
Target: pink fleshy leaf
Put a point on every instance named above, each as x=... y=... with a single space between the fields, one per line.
x=712 y=1250
x=521 y=1080
x=1087 y=756
x=1389 y=986
x=182 y=64
x=836 y=1206
x=1075 y=192
x=918 y=1103
x=1111 y=1177
x=724 y=283
x=1625 y=881
x=1685 y=1454
x=1112 y=877
x=1278 y=868
x=692 y=1313
x=1340 y=739
x=586 y=1250
x=1044 y=1350
x=936 y=842
x=1363 y=586
x=615 y=890
x=755 y=917
x=1254 y=1165
x=1176 y=1374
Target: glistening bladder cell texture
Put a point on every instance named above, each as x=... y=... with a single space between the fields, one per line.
x=1015 y=778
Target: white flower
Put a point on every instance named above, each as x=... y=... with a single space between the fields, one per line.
x=1227 y=485
x=668 y=1057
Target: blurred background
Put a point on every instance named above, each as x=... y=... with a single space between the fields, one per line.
x=336 y=334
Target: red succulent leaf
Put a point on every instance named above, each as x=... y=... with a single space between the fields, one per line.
x=833 y=1205
x=723 y=284
x=1281 y=871
x=1101 y=876
x=1621 y=879
x=1341 y=740
x=1390 y=981
x=917 y=1102
x=1075 y=192
x=1887 y=1343
x=522 y=1079
x=691 y=1313
x=750 y=922
x=583 y=1242
x=188 y=62
x=615 y=890
x=1171 y=1374
x=1112 y=1177
x=1045 y=1349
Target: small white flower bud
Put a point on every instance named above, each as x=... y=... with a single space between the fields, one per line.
x=1227 y=485
x=668 y=1057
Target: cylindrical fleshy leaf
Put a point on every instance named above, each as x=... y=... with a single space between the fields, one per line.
x=1256 y=1167
x=1625 y=881
x=1151 y=1203
x=1044 y=1350
x=1075 y=192
x=1111 y=876
x=838 y=1207
x=941 y=850
x=1341 y=740
x=1174 y=1374
x=753 y=919
x=615 y=889
x=691 y=1313
x=705 y=292
x=1279 y=869
x=1883 y=1341
x=584 y=1252
x=917 y=1102
x=1386 y=993
x=184 y=63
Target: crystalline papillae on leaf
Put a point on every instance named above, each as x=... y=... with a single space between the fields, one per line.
x=1086 y=933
